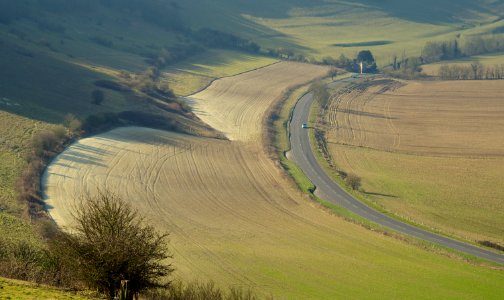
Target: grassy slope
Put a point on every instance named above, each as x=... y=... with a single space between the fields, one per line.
x=46 y=74
x=77 y=48
x=313 y=27
x=427 y=186
x=190 y=76
x=20 y=290
x=366 y=290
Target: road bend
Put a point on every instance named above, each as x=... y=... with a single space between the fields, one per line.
x=302 y=154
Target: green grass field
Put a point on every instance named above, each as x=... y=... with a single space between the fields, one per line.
x=20 y=290
x=408 y=283
x=405 y=186
x=15 y=136
x=334 y=27
x=190 y=76
x=450 y=181
x=45 y=74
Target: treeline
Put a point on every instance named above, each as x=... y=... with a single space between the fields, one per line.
x=474 y=45
x=218 y=39
x=45 y=145
x=474 y=71
x=411 y=67
x=343 y=62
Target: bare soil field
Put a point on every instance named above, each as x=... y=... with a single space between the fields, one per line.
x=236 y=105
x=233 y=216
x=430 y=151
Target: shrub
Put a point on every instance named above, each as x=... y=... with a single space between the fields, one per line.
x=100 y=122
x=320 y=93
x=111 y=243
x=199 y=291
x=72 y=123
x=353 y=181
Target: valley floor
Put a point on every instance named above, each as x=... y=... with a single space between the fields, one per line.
x=233 y=215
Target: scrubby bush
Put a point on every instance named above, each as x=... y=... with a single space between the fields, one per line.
x=25 y=261
x=100 y=122
x=199 y=291
x=72 y=123
x=353 y=181
x=320 y=93
x=44 y=145
x=111 y=243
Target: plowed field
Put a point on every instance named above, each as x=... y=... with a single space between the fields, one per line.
x=233 y=216
x=430 y=151
x=236 y=105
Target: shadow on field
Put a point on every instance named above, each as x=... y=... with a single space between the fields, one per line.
x=365 y=114
x=142 y=135
x=77 y=154
x=429 y=11
x=380 y=194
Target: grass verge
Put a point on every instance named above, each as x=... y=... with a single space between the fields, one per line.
x=281 y=144
x=22 y=290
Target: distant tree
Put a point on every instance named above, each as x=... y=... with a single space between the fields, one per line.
x=284 y=52
x=320 y=93
x=343 y=61
x=111 y=243
x=367 y=58
x=44 y=142
x=333 y=72
x=98 y=97
x=60 y=132
x=72 y=123
x=353 y=181
x=328 y=60
x=477 y=69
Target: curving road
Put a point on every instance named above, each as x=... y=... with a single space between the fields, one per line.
x=302 y=154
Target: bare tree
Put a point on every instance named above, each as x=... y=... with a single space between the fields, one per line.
x=333 y=72
x=110 y=243
x=353 y=181
x=320 y=93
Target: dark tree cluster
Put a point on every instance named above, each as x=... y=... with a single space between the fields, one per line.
x=218 y=39
x=353 y=65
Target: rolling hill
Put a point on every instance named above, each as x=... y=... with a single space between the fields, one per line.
x=53 y=53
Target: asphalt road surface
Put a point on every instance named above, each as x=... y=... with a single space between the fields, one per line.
x=302 y=154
